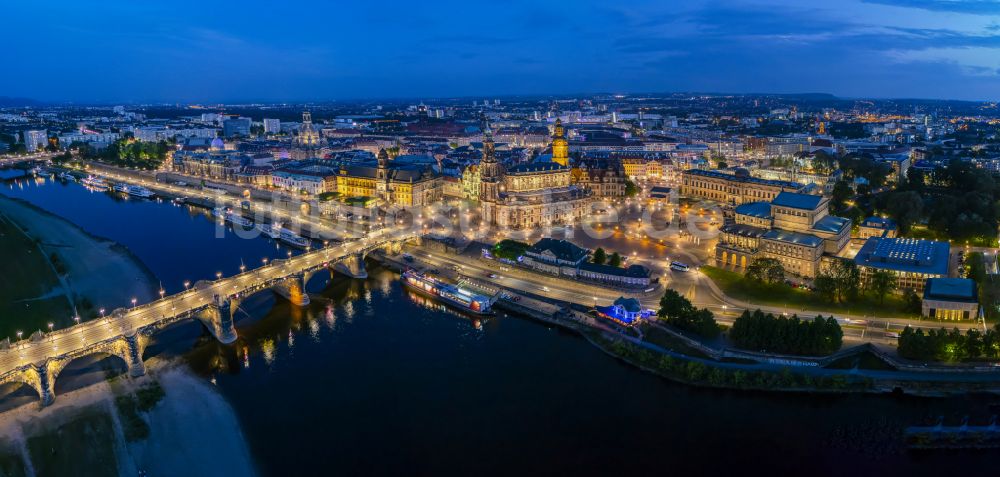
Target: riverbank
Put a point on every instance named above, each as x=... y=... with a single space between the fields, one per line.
x=192 y=430
x=70 y=264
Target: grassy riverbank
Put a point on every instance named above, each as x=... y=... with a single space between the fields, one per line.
x=53 y=269
x=30 y=290
x=782 y=295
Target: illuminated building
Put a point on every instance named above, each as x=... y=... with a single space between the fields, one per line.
x=390 y=184
x=528 y=195
x=913 y=261
x=560 y=147
x=733 y=189
x=796 y=229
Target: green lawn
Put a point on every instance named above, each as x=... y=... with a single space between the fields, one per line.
x=782 y=295
x=654 y=335
x=25 y=275
x=86 y=442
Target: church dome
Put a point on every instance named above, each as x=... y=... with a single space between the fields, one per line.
x=218 y=144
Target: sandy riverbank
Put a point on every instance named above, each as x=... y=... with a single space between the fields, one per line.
x=104 y=272
x=193 y=430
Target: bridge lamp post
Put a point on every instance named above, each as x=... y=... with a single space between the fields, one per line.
x=102 y=312
x=186 y=285
x=264 y=260
x=242 y=268
x=76 y=319
x=218 y=275
x=19 y=338
x=162 y=292
x=133 y=303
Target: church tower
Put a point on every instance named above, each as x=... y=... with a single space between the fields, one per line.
x=382 y=176
x=560 y=147
x=490 y=171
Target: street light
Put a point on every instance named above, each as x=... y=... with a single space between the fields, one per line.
x=218 y=275
x=186 y=284
x=76 y=319
x=133 y=303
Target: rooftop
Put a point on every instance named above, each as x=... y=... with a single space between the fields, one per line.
x=760 y=210
x=831 y=224
x=951 y=289
x=797 y=201
x=905 y=255
x=562 y=249
x=793 y=238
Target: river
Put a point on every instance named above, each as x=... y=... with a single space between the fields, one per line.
x=377 y=380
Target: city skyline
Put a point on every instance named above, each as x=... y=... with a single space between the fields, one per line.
x=225 y=52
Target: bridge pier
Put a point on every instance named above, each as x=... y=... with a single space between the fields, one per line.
x=219 y=319
x=135 y=344
x=352 y=266
x=42 y=377
x=293 y=288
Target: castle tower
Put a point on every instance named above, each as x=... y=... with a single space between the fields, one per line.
x=560 y=147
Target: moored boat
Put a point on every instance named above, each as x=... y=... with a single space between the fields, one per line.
x=454 y=295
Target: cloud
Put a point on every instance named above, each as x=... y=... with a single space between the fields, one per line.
x=974 y=61
x=976 y=7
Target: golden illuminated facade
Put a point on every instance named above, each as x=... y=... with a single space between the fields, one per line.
x=528 y=196
x=560 y=147
x=405 y=185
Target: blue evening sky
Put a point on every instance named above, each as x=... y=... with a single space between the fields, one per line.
x=223 y=50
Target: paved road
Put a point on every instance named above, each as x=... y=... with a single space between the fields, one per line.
x=292 y=219
x=694 y=285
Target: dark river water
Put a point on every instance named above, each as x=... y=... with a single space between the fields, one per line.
x=375 y=380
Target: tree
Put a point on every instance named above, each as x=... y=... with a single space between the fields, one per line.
x=630 y=188
x=673 y=304
x=757 y=331
x=841 y=192
x=842 y=278
x=826 y=286
x=912 y=302
x=615 y=260
x=906 y=208
x=881 y=283
x=766 y=270
x=599 y=256
x=678 y=311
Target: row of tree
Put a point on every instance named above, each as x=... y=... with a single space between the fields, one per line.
x=759 y=331
x=677 y=311
x=944 y=345
x=127 y=152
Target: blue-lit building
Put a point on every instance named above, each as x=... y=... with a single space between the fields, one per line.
x=913 y=261
x=625 y=311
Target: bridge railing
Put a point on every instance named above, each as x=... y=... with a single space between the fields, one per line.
x=378 y=242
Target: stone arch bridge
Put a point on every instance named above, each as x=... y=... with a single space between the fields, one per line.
x=37 y=362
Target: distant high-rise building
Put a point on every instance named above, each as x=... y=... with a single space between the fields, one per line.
x=236 y=127
x=272 y=126
x=36 y=139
